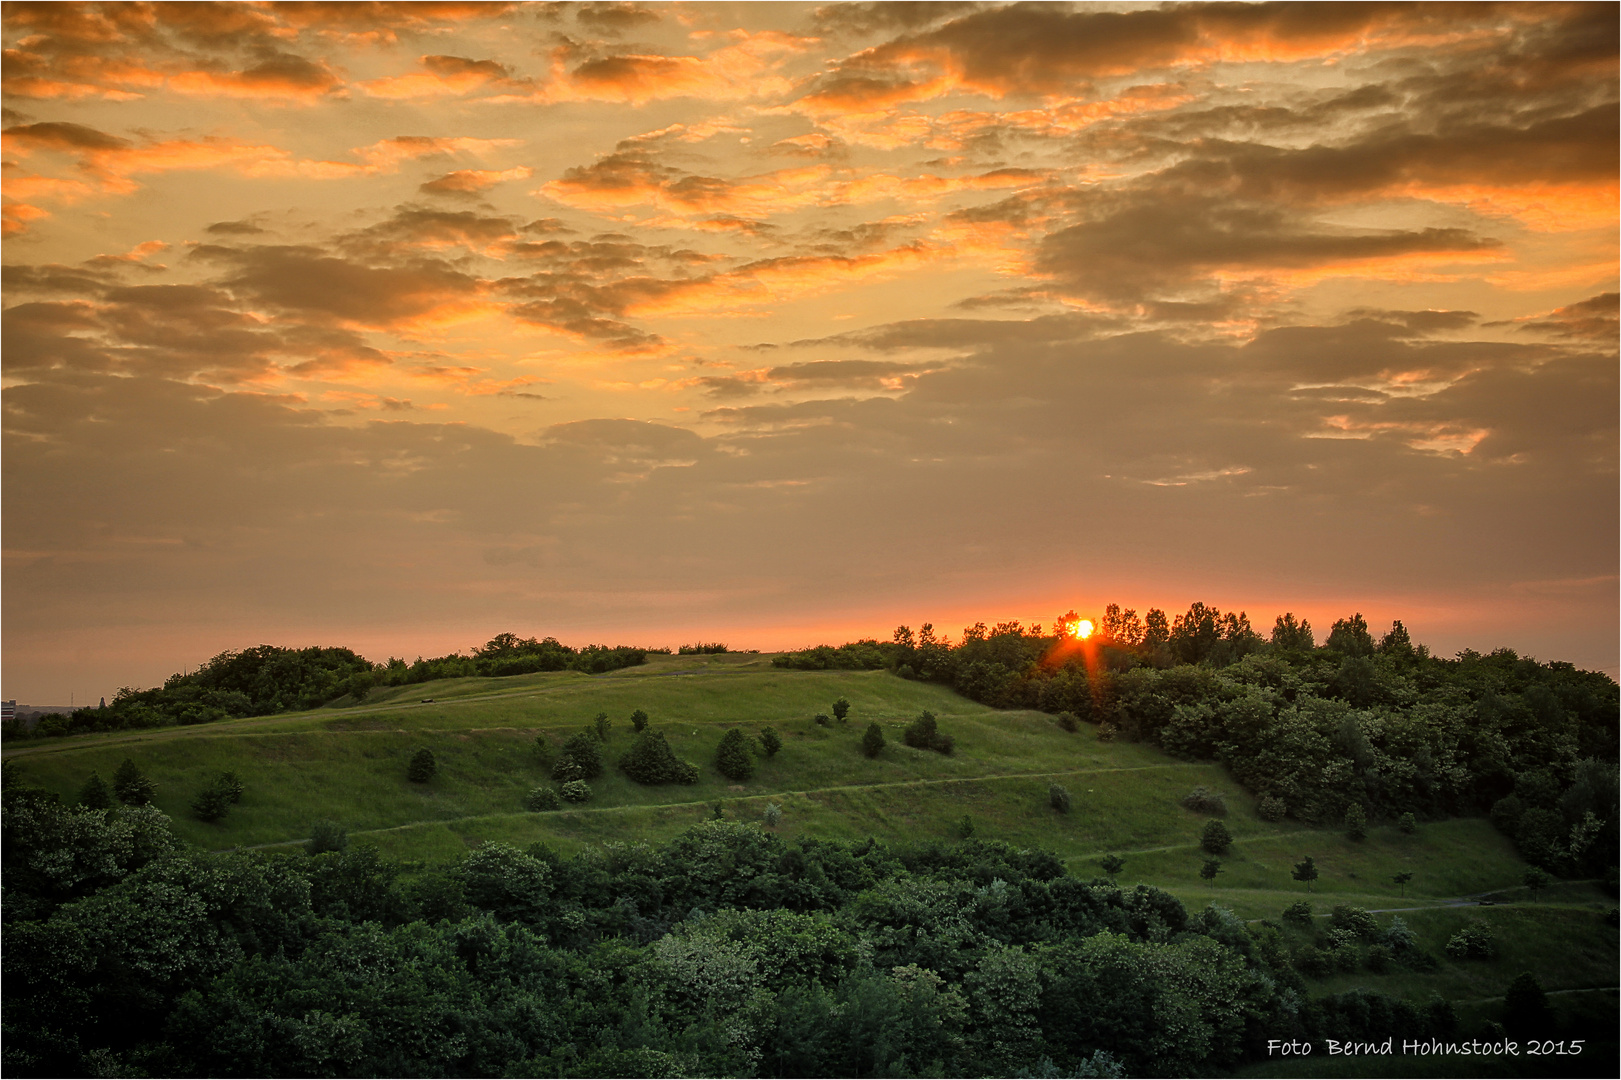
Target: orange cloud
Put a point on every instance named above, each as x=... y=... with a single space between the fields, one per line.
x=445 y=76
x=473 y=181
x=742 y=69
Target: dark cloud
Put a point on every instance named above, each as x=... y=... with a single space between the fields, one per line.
x=614 y=18
x=1595 y=318
x=234 y=228
x=871 y=18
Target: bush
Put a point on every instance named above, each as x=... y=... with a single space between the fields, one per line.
x=823 y=720
x=576 y=791
x=1473 y=942
x=1067 y=721
x=1354 y=920
x=1298 y=913
x=1397 y=936
x=1356 y=822
x=924 y=734
x=132 y=786
x=422 y=767
x=651 y=761
x=638 y=720
x=1112 y=864
x=872 y=741
x=1107 y=732
x=326 y=836
x=230 y=787
x=1058 y=796
x=733 y=757
x=581 y=759
x=95 y=794
x=1314 y=963
x=539 y=799
x=1407 y=823
x=1215 y=839
x=1272 y=808
x=965 y=827
x=1201 y=800
x=772 y=815
x=211 y=805
x=1379 y=959
x=600 y=727
x=841 y=710
x=770 y=741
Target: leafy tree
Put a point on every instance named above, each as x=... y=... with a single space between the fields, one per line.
x=95 y=795
x=211 y=804
x=576 y=791
x=132 y=786
x=651 y=761
x=581 y=758
x=1201 y=800
x=1156 y=630
x=841 y=709
x=1272 y=808
x=1536 y=879
x=734 y=757
x=1058 y=796
x=1305 y=870
x=1473 y=942
x=1354 y=920
x=326 y=836
x=1216 y=838
x=422 y=767
x=772 y=815
x=1397 y=642
x=1401 y=880
x=872 y=741
x=1299 y=913
x=540 y=799
x=601 y=726
x=770 y=741
x=1210 y=869
x=1350 y=637
x=1407 y=823
x=1289 y=634
x=638 y=720
x=1356 y=822
x=924 y=734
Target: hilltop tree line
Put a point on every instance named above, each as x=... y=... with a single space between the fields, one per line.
x=1367 y=724
x=727 y=951
x=268 y=679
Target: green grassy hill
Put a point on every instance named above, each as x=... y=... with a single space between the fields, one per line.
x=349 y=765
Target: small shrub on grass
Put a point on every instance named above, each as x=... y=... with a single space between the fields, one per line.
x=422 y=767
x=132 y=786
x=210 y=805
x=638 y=720
x=1201 y=800
x=841 y=710
x=1397 y=936
x=1216 y=838
x=95 y=795
x=1473 y=942
x=1298 y=913
x=1272 y=808
x=1067 y=721
x=326 y=836
x=965 y=827
x=872 y=741
x=1058 y=796
x=772 y=816
x=770 y=741
x=1356 y=822
x=601 y=726
x=1354 y=920
x=540 y=799
x=1379 y=959
x=1536 y=879
x=823 y=720
x=924 y=734
x=1107 y=732
x=581 y=759
x=1112 y=865
x=1407 y=823
x=651 y=761
x=576 y=791
x=1314 y=963
x=230 y=787
x=543 y=751
x=734 y=757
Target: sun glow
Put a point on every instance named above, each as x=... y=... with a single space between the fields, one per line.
x=1080 y=629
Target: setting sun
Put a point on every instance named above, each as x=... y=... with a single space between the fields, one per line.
x=1081 y=629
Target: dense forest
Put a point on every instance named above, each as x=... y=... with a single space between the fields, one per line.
x=1367 y=725
x=727 y=951
x=267 y=679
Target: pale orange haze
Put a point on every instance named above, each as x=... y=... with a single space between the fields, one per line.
x=397 y=326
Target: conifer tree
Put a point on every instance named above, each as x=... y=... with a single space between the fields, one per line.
x=873 y=741
x=95 y=794
x=422 y=767
x=132 y=786
x=733 y=757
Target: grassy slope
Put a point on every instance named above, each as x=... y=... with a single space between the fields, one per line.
x=349 y=765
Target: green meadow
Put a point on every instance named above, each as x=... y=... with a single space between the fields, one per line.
x=349 y=765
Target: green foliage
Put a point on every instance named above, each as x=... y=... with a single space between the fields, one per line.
x=1353 y=920
x=1112 y=865
x=1058 y=797
x=601 y=726
x=770 y=741
x=841 y=710
x=326 y=836
x=1210 y=869
x=872 y=741
x=702 y=648
x=95 y=794
x=1407 y=823
x=1201 y=800
x=638 y=721
x=132 y=786
x=1067 y=721
x=1356 y=822
x=734 y=757
x=1216 y=838
x=1272 y=808
x=210 y=804
x=540 y=799
x=1400 y=880
x=1474 y=942
x=1305 y=870
x=651 y=761
x=823 y=720
x=422 y=767
x=1536 y=879
x=924 y=734
x=1526 y=1011
x=581 y=759
x=1289 y=634
x=1298 y=913
x=965 y=827
x=772 y=815
x=576 y=791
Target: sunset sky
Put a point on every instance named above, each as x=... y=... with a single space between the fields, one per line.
x=397 y=326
